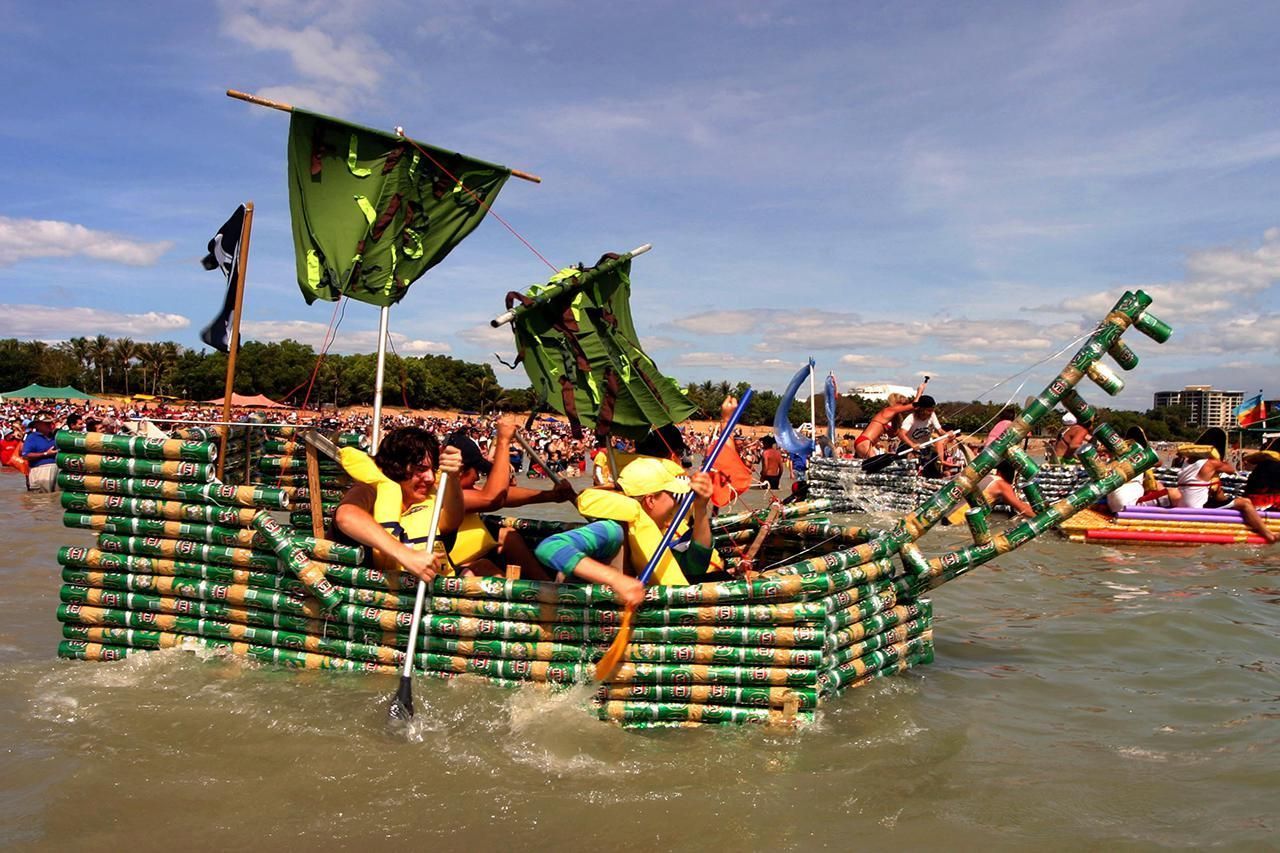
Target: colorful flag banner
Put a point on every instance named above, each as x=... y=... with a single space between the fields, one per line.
x=1251 y=411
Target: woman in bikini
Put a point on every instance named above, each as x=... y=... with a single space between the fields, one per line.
x=886 y=421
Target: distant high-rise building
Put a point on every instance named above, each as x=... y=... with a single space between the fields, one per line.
x=1208 y=406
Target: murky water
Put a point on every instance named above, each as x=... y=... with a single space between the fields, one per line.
x=1082 y=697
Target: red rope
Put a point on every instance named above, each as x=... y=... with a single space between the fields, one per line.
x=480 y=202
x=329 y=336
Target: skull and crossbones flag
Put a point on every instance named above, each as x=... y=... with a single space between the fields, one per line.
x=224 y=253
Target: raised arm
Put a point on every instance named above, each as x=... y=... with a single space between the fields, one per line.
x=494 y=494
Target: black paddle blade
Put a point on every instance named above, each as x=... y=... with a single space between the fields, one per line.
x=878 y=463
x=401 y=708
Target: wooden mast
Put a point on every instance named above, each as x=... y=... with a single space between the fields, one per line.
x=242 y=262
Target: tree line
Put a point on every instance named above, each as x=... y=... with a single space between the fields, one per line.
x=285 y=371
x=291 y=372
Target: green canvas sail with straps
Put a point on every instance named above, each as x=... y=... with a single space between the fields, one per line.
x=579 y=346
x=371 y=212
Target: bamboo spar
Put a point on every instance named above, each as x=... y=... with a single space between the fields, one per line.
x=242 y=262
x=581 y=278
x=288 y=108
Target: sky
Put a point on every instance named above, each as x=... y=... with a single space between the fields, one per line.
x=956 y=189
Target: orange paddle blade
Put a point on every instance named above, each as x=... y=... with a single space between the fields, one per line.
x=730 y=475
x=607 y=666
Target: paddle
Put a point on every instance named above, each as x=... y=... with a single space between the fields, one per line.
x=401 y=707
x=608 y=665
x=884 y=460
x=535 y=458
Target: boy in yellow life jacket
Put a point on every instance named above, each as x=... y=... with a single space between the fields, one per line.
x=664 y=442
x=389 y=509
x=484 y=548
x=610 y=551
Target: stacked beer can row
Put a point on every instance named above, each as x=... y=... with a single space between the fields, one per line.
x=283 y=465
x=180 y=561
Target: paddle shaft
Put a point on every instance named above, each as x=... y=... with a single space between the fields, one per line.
x=420 y=601
x=877 y=462
x=762 y=534
x=536 y=458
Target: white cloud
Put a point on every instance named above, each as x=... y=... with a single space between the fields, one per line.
x=336 y=64
x=1218 y=281
x=863 y=360
x=1249 y=333
x=779 y=329
x=361 y=341
x=959 y=358
x=61 y=322
x=730 y=361
x=26 y=239
x=720 y=322
x=346 y=59
x=489 y=337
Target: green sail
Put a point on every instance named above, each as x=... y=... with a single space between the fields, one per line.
x=371 y=212
x=579 y=346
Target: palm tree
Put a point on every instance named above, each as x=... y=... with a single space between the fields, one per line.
x=125 y=351
x=169 y=355
x=100 y=353
x=151 y=360
x=487 y=392
x=79 y=349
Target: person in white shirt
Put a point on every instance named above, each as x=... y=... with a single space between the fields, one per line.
x=1197 y=477
x=920 y=425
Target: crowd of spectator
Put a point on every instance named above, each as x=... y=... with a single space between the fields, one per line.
x=551 y=437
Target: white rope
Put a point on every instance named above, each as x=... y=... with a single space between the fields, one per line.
x=1026 y=369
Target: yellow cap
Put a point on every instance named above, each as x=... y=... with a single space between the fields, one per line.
x=648 y=475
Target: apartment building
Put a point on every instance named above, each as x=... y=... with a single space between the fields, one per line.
x=1208 y=406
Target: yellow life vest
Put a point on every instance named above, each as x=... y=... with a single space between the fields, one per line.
x=643 y=535
x=604 y=471
x=411 y=525
x=474 y=540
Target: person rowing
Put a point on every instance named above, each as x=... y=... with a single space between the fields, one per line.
x=390 y=506
x=918 y=430
x=483 y=546
x=1263 y=485
x=998 y=487
x=887 y=421
x=612 y=550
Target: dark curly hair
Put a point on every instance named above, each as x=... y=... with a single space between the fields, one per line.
x=404 y=448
